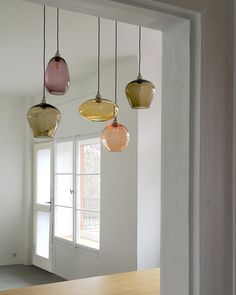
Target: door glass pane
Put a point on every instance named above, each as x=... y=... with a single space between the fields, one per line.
x=64 y=190
x=88 y=160
x=64 y=223
x=64 y=157
x=88 y=225
x=42 y=234
x=43 y=176
x=88 y=192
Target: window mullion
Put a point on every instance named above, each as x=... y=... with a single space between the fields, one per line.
x=75 y=190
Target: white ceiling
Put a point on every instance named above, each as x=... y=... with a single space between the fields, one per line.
x=21 y=45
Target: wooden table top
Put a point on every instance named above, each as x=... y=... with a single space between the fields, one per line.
x=145 y=282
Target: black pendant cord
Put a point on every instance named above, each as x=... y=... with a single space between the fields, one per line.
x=57 y=31
x=116 y=62
x=44 y=52
x=139 y=57
x=99 y=37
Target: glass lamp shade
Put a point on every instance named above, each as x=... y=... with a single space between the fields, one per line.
x=44 y=119
x=98 y=109
x=57 y=77
x=140 y=93
x=115 y=137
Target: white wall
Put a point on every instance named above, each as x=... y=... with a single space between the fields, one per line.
x=149 y=165
x=12 y=122
x=175 y=159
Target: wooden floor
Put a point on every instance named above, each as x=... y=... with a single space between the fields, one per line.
x=137 y=283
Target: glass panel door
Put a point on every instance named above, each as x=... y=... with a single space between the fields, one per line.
x=42 y=255
x=43 y=170
x=42 y=234
x=64 y=190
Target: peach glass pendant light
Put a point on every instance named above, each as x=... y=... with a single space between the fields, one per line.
x=115 y=137
x=43 y=118
x=57 y=78
x=98 y=109
x=140 y=92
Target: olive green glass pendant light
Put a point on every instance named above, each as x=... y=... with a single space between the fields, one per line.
x=140 y=92
x=115 y=137
x=98 y=109
x=43 y=118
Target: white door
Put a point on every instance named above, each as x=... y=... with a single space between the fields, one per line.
x=42 y=208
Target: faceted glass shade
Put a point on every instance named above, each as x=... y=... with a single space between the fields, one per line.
x=115 y=137
x=57 y=77
x=140 y=93
x=98 y=109
x=44 y=119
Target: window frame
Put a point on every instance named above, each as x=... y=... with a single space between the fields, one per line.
x=93 y=138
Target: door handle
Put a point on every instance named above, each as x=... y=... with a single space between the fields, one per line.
x=48 y=202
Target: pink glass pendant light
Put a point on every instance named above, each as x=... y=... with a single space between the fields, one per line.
x=43 y=118
x=115 y=137
x=57 y=78
x=140 y=92
x=98 y=109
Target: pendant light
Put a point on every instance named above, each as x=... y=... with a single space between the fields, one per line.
x=140 y=92
x=43 y=118
x=115 y=137
x=98 y=109
x=57 y=78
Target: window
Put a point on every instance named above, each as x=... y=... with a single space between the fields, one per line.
x=77 y=191
x=88 y=193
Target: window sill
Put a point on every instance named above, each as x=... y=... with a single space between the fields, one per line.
x=77 y=247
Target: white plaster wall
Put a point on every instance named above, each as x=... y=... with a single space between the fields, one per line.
x=149 y=164
x=28 y=190
x=175 y=151
x=12 y=122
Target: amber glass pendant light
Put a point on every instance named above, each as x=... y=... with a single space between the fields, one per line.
x=115 y=137
x=140 y=92
x=98 y=109
x=43 y=118
x=57 y=78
